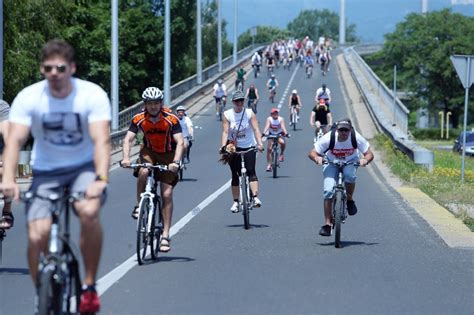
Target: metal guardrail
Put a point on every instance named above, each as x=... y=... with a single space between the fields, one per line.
x=183 y=90
x=378 y=98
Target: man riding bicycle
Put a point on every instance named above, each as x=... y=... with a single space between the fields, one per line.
x=220 y=94
x=252 y=97
x=256 y=62
x=294 y=100
x=275 y=125
x=162 y=144
x=346 y=144
x=320 y=117
x=308 y=61
x=69 y=121
x=323 y=93
x=187 y=130
x=240 y=78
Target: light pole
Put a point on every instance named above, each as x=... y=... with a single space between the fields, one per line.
x=198 y=43
x=424 y=6
x=115 y=66
x=342 y=23
x=1 y=49
x=234 y=58
x=167 y=75
x=219 y=35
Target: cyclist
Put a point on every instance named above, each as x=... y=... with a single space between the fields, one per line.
x=270 y=62
x=6 y=219
x=320 y=116
x=187 y=130
x=69 y=121
x=252 y=97
x=240 y=78
x=294 y=100
x=272 y=84
x=275 y=125
x=220 y=93
x=240 y=132
x=256 y=62
x=347 y=143
x=323 y=93
x=163 y=144
x=308 y=62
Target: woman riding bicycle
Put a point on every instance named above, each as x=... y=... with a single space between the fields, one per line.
x=240 y=132
x=295 y=101
x=320 y=117
x=252 y=97
x=346 y=144
x=275 y=125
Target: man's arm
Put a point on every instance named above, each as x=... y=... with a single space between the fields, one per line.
x=178 y=154
x=127 y=147
x=368 y=157
x=315 y=156
x=100 y=135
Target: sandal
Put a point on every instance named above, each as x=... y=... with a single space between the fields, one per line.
x=135 y=213
x=165 y=244
x=7 y=220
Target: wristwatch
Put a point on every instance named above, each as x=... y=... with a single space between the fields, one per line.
x=102 y=178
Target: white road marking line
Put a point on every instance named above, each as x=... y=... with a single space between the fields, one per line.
x=104 y=283
x=285 y=93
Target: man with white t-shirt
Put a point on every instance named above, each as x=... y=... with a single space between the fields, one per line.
x=346 y=145
x=187 y=130
x=69 y=121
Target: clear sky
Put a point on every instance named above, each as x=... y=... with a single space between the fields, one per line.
x=373 y=18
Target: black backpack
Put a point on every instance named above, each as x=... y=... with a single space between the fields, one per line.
x=332 y=141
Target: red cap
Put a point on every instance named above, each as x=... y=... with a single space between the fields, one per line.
x=274 y=110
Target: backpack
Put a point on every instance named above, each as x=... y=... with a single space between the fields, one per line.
x=332 y=140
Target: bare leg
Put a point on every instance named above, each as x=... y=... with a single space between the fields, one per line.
x=328 y=211
x=235 y=192
x=254 y=188
x=38 y=235
x=167 y=210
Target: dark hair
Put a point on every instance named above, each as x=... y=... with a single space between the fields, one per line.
x=57 y=47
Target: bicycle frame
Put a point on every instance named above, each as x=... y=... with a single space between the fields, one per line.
x=293 y=116
x=245 y=203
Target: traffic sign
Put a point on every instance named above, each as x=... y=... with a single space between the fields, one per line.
x=464 y=64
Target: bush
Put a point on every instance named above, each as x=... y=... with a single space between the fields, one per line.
x=433 y=133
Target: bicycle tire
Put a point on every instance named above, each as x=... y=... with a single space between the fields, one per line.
x=142 y=233
x=155 y=238
x=48 y=292
x=338 y=204
x=275 y=161
x=74 y=285
x=1 y=247
x=293 y=120
x=245 y=202
x=180 y=173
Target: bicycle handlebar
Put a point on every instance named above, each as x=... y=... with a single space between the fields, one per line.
x=161 y=167
x=340 y=163
x=246 y=151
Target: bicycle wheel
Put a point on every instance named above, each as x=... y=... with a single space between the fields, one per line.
x=142 y=233
x=293 y=120
x=2 y=236
x=245 y=201
x=338 y=209
x=157 y=230
x=275 y=161
x=49 y=292
x=73 y=286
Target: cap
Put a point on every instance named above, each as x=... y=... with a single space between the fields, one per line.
x=344 y=123
x=294 y=92
x=274 y=110
x=180 y=107
x=238 y=95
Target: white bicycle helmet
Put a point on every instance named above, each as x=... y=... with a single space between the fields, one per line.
x=294 y=92
x=180 y=107
x=152 y=94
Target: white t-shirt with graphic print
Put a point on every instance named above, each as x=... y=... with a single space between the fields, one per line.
x=60 y=127
x=342 y=151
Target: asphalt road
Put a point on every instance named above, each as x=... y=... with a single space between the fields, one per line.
x=391 y=262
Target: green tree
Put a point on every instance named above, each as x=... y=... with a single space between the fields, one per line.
x=264 y=34
x=315 y=23
x=420 y=47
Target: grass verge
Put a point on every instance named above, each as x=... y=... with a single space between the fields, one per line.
x=443 y=184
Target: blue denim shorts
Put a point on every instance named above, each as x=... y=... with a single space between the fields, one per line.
x=331 y=175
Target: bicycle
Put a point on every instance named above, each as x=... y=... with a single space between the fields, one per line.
x=320 y=133
x=246 y=198
x=309 y=71
x=3 y=234
x=59 y=281
x=293 y=117
x=149 y=225
x=339 y=211
x=221 y=106
x=256 y=70
x=272 y=91
x=252 y=103
x=324 y=67
x=275 y=151
x=184 y=161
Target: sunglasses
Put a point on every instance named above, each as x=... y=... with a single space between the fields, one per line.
x=343 y=129
x=61 y=68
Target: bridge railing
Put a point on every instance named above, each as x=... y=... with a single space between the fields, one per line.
x=391 y=116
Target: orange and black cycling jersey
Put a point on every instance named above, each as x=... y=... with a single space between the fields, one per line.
x=157 y=136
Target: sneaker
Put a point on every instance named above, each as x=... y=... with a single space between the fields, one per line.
x=269 y=168
x=325 y=230
x=351 y=207
x=281 y=158
x=256 y=202
x=291 y=123
x=90 y=302
x=235 y=207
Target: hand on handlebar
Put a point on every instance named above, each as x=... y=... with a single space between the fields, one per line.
x=319 y=160
x=124 y=163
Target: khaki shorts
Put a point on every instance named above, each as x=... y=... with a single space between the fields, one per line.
x=150 y=156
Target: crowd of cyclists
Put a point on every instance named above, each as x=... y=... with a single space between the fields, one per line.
x=70 y=126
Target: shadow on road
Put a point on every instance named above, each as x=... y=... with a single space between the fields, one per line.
x=188 y=180
x=258 y=226
x=348 y=243
x=162 y=259
x=14 y=271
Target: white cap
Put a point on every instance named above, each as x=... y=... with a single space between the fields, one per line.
x=294 y=92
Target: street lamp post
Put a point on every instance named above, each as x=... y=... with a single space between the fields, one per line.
x=115 y=66
x=234 y=59
x=198 y=43
x=219 y=35
x=167 y=74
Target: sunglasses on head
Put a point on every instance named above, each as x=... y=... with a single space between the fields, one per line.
x=343 y=129
x=61 y=68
